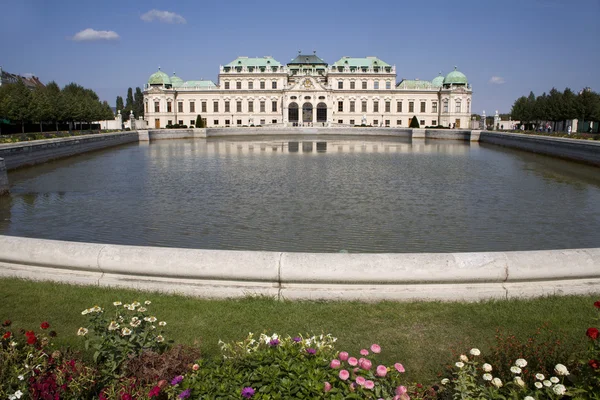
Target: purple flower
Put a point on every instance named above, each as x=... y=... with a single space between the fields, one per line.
x=176 y=380
x=274 y=342
x=297 y=339
x=311 y=351
x=185 y=394
x=248 y=392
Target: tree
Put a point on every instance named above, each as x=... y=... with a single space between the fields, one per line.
x=138 y=103
x=199 y=122
x=414 y=122
x=128 y=105
x=54 y=95
x=120 y=106
x=520 y=109
x=41 y=106
x=17 y=103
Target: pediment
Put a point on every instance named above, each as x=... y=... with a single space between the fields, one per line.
x=307 y=84
x=154 y=90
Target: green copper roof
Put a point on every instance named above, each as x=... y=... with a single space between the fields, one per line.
x=414 y=84
x=365 y=62
x=456 y=78
x=159 y=78
x=199 y=84
x=307 y=59
x=438 y=80
x=176 y=81
x=254 y=62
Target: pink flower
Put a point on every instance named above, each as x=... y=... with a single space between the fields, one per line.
x=353 y=361
x=364 y=352
x=381 y=371
x=195 y=367
x=344 y=375
x=375 y=348
x=399 y=367
x=327 y=387
x=361 y=361
x=369 y=385
x=356 y=370
x=400 y=390
x=396 y=397
x=360 y=380
x=366 y=365
x=335 y=363
x=343 y=356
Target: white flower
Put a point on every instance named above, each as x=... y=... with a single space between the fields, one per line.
x=487 y=367
x=86 y=311
x=515 y=370
x=160 y=339
x=152 y=327
x=554 y=379
x=487 y=377
x=559 y=389
x=445 y=381
x=540 y=377
x=150 y=319
x=135 y=304
x=475 y=352
x=147 y=302
x=96 y=309
x=130 y=307
x=17 y=395
x=82 y=332
x=13 y=344
x=459 y=364
x=519 y=381
x=20 y=377
x=464 y=358
x=113 y=326
x=521 y=363
x=547 y=383
x=538 y=385
x=126 y=332
x=497 y=382
x=135 y=323
x=528 y=398
x=117 y=303
x=561 y=370
x=162 y=323
x=142 y=309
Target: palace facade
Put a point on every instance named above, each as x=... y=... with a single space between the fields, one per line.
x=308 y=92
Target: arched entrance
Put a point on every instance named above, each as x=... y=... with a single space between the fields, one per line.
x=307 y=112
x=293 y=112
x=321 y=112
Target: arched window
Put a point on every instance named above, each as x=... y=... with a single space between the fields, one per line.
x=457 y=107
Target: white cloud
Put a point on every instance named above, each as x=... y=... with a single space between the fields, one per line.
x=163 y=16
x=497 y=80
x=89 y=34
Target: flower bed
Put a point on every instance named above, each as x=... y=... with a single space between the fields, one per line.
x=129 y=357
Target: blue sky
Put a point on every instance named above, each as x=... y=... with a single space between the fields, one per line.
x=506 y=48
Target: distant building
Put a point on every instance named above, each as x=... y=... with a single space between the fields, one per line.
x=31 y=82
x=308 y=92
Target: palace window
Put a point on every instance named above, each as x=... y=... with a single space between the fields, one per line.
x=434 y=123
x=387 y=106
x=273 y=121
x=398 y=122
x=238 y=85
x=239 y=122
x=238 y=106
x=262 y=106
x=170 y=122
x=169 y=106
x=203 y=106
x=445 y=106
x=457 y=107
x=399 y=106
x=422 y=106
x=250 y=106
x=375 y=106
x=192 y=107
x=321 y=97
x=352 y=85
x=216 y=122
x=226 y=106
x=156 y=106
x=351 y=122
x=388 y=86
x=434 y=107
x=274 y=85
x=340 y=84
x=422 y=122
x=364 y=106
x=364 y=85
x=262 y=121
x=340 y=121
x=226 y=122
x=340 y=106
x=387 y=122
x=274 y=106
x=192 y=122
x=216 y=106
x=468 y=106
x=226 y=85
x=180 y=122
x=262 y=84
x=352 y=106
x=180 y=107
x=251 y=85
x=411 y=106
x=375 y=122
x=376 y=85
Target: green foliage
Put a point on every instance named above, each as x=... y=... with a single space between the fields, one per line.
x=16 y=103
x=587 y=383
x=414 y=122
x=199 y=122
x=119 y=104
x=138 y=103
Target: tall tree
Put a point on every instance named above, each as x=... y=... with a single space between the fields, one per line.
x=17 y=103
x=128 y=104
x=119 y=105
x=138 y=103
x=41 y=106
x=54 y=95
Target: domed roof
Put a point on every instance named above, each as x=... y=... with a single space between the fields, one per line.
x=455 y=78
x=176 y=81
x=159 y=78
x=438 y=80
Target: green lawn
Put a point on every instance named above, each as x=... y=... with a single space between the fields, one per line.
x=421 y=335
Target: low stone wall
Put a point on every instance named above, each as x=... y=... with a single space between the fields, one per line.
x=265 y=131
x=171 y=134
x=365 y=277
x=585 y=151
x=448 y=134
x=22 y=154
x=4 y=186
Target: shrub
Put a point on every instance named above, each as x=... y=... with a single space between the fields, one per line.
x=414 y=122
x=588 y=380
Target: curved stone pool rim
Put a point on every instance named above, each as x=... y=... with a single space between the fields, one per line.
x=306 y=276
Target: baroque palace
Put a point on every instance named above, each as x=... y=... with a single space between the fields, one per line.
x=308 y=92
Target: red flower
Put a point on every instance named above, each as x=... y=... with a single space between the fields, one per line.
x=594 y=364
x=126 y=396
x=155 y=391
x=29 y=333
x=7 y=322
x=592 y=333
x=597 y=304
x=7 y=335
x=31 y=339
x=45 y=325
